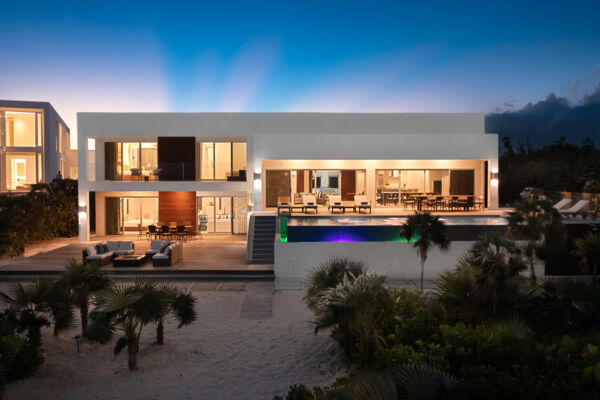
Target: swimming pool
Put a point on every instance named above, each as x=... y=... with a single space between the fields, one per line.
x=379 y=228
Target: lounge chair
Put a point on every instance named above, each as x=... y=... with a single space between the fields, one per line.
x=576 y=209
x=335 y=203
x=562 y=204
x=283 y=203
x=362 y=203
x=309 y=202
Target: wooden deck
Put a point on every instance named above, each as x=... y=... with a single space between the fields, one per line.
x=211 y=253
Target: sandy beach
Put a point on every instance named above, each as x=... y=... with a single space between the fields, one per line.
x=247 y=343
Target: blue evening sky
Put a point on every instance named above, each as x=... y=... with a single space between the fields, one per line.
x=371 y=56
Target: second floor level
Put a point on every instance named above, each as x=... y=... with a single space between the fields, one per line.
x=150 y=159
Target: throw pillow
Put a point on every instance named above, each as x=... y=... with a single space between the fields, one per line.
x=99 y=248
x=164 y=247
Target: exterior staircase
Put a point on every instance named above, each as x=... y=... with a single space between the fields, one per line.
x=263 y=244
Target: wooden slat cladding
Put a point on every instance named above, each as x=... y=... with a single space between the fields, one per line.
x=177 y=207
x=177 y=158
x=278 y=184
x=348 y=184
x=112 y=215
x=462 y=182
x=110 y=161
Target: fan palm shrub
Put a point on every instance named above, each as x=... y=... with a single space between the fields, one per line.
x=487 y=279
x=425 y=231
x=588 y=248
x=328 y=275
x=82 y=280
x=359 y=311
x=40 y=304
x=176 y=303
x=531 y=221
x=565 y=306
x=126 y=309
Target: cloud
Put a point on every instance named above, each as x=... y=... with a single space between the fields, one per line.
x=549 y=119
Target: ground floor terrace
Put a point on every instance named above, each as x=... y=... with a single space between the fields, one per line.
x=217 y=253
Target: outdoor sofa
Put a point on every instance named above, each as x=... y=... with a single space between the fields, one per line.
x=104 y=252
x=169 y=254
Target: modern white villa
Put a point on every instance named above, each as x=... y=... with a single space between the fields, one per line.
x=150 y=167
x=34 y=145
x=223 y=172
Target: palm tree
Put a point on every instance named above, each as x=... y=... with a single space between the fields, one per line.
x=588 y=248
x=487 y=278
x=82 y=280
x=37 y=305
x=126 y=309
x=355 y=310
x=328 y=275
x=177 y=303
x=530 y=220
x=425 y=231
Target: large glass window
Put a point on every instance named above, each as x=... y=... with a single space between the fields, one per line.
x=138 y=212
x=130 y=160
x=223 y=214
x=21 y=170
x=395 y=186
x=222 y=161
x=21 y=129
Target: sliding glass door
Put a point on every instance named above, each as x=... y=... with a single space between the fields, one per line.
x=137 y=213
x=223 y=214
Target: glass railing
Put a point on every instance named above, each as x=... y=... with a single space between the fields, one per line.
x=170 y=172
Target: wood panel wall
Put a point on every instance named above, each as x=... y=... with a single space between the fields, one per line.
x=462 y=182
x=300 y=181
x=277 y=184
x=177 y=158
x=112 y=215
x=179 y=207
x=110 y=161
x=348 y=189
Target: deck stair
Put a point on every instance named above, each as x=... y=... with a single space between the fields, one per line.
x=263 y=244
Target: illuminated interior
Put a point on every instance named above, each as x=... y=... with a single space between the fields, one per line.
x=221 y=160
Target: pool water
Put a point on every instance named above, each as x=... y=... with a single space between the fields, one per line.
x=379 y=228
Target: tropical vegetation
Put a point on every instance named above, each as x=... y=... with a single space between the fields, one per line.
x=560 y=166
x=485 y=331
x=46 y=212
x=127 y=309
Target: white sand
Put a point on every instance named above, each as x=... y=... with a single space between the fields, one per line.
x=228 y=353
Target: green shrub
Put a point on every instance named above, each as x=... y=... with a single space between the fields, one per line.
x=46 y=212
x=20 y=358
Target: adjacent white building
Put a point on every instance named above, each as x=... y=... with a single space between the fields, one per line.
x=148 y=168
x=34 y=145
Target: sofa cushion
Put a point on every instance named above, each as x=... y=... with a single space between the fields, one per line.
x=90 y=251
x=112 y=245
x=160 y=256
x=99 y=247
x=125 y=245
x=164 y=247
x=156 y=245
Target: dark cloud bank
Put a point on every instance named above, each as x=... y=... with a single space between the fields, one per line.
x=548 y=120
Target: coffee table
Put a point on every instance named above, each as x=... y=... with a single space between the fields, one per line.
x=130 y=260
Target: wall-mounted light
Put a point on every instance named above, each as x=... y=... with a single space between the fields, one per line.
x=494 y=177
